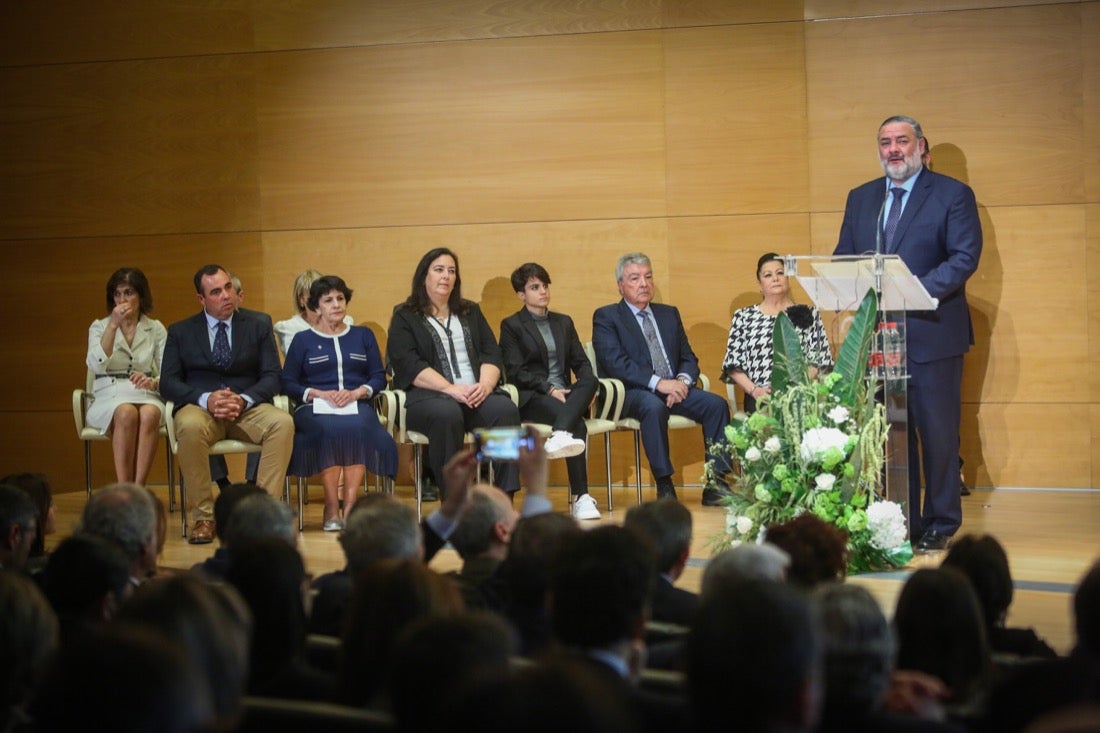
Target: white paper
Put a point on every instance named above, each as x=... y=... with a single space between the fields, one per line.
x=324 y=407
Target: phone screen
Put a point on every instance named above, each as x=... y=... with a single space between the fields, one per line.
x=501 y=444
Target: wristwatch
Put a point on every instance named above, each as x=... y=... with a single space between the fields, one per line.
x=685 y=379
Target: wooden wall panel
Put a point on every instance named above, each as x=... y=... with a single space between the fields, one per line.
x=512 y=130
x=844 y=9
x=1001 y=87
x=1092 y=316
x=685 y=13
x=72 y=31
x=1090 y=31
x=736 y=110
x=1028 y=445
x=134 y=147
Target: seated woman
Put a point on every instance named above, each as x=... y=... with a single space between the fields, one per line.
x=124 y=353
x=334 y=369
x=443 y=353
x=748 y=362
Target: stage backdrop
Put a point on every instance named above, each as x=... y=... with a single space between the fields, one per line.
x=351 y=136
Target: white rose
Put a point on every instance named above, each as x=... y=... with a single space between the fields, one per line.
x=816 y=441
x=825 y=481
x=886 y=522
x=752 y=454
x=744 y=525
x=771 y=445
x=839 y=415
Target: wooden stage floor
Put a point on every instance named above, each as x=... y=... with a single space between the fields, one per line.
x=1051 y=537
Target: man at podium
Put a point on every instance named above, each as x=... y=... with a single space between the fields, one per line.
x=931 y=222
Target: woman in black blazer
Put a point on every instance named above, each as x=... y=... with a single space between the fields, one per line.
x=443 y=353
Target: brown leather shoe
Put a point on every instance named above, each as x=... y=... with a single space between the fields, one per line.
x=202 y=533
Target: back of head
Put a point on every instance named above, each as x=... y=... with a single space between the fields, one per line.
x=746 y=562
x=940 y=631
x=474 y=535
x=86 y=578
x=227 y=501
x=532 y=553
x=818 y=550
x=37 y=487
x=983 y=561
x=16 y=510
x=1086 y=612
x=28 y=637
x=859 y=650
x=258 y=516
x=125 y=514
x=125 y=679
x=601 y=587
x=379 y=528
x=187 y=611
x=666 y=525
x=755 y=654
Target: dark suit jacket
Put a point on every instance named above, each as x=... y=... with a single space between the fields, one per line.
x=410 y=349
x=526 y=361
x=673 y=605
x=621 y=350
x=939 y=237
x=188 y=368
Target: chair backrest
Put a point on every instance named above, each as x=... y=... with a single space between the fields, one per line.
x=731 y=397
x=263 y=715
x=590 y=352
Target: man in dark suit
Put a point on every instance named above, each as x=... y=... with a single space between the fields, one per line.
x=542 y=357
x=931 y=221
x=666 y=526
x=658 y=371
x=221 y=369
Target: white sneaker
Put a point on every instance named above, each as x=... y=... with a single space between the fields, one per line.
x=333 y=525
x=584 y=507
x=561 y=444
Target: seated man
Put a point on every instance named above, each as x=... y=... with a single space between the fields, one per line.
x=18 y=527
x=221 y=369
x=666 y=526
x=126 y=515
x=644 y=345
x=540 y=350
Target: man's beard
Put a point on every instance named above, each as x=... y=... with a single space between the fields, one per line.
x=900 y=171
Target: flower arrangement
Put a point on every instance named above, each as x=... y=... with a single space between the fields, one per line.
x=816 y=444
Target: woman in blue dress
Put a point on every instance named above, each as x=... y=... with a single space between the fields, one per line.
x=333 y=370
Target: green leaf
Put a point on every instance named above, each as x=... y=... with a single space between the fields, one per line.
x=851 y=361
x=788 y=366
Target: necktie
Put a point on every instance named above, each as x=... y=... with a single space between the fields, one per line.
x=656 y=353
x=221 y=353
x=892 y=218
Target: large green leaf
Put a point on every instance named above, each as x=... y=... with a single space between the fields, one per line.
x=851 y=361
x=788 y=366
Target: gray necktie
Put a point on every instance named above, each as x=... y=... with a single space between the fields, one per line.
x=656 y=353
x=892 y=218
x=221 y=353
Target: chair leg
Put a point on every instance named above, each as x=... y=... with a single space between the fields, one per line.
x=418 y=460
x=171 y=475
x=88 y=467
x=638 y=462
x=607 y=464
x=183 y=505
x=302 y=485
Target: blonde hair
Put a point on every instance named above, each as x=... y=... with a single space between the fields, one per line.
x=302 y=284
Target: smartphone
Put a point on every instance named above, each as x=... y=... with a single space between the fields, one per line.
x=501 y=444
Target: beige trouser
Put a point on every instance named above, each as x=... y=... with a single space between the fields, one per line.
x=197 y=430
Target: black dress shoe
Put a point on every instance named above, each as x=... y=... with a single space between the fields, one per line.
x=964 y=490
x=933 y=541
x=428 y=491
x=665 y=488
x=715 y=497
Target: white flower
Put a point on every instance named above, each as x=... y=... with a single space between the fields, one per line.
x=825 y=481
x=771 y=445
x=744 y=525
x=886 y=522
x=839 y=414
x=816 y=441
x=752 y=454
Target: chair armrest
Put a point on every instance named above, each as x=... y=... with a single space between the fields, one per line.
x=392 y=407
x=609 y=399
x=79 y=411
x=513 y=393
x=170 y=425
x=282 y=402
x=703 y=382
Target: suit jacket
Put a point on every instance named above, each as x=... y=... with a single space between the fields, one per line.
x=410 y=349
x=188 y=369
x=673 y=605
x=621 y=349
x=526 y=360
x=939 y=237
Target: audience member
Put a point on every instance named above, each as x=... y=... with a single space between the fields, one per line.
x=271 y=577
x=188 y=611
x=126 y=515
x=754 y=660
x=28 y=638
x=214 y=567
x=983 y=561
x=389 y=596
x=86 y=580
x=746 y=562
x=258 y=516
x=818 y=550
x=666 y=526
x=481 y=539
x=18 y=527
x=37 y=487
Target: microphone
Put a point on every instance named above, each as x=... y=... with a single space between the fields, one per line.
x=878 y=222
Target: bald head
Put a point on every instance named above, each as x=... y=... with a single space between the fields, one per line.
x=485 y=526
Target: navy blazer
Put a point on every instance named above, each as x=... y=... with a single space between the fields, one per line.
x=621 y=350
x=526 y=360
x=939 y=237
x=188 y=369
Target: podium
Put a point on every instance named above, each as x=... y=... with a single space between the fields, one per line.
x=838 y=284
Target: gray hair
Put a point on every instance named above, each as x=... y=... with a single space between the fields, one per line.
x=379 y=529
x=257 y=516
x=859 y=648
x=907 y=120
x=630 y=258
x=123 y=513
x=746 y=562
x=472 y=535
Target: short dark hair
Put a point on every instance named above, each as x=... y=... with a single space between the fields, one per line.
x=80 y=571
x=16 y=508
x=227 y=501
x=207 y=271
x=135 y=278
x=983 y=560
x=765 y=259
x=37 y=487
x=418 y=300
x=818 y=550
x=322 y=286
x=525 y=272
x=1086 y=611
x=666 y=524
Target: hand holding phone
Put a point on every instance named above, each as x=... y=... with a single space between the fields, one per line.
x=501 y=444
